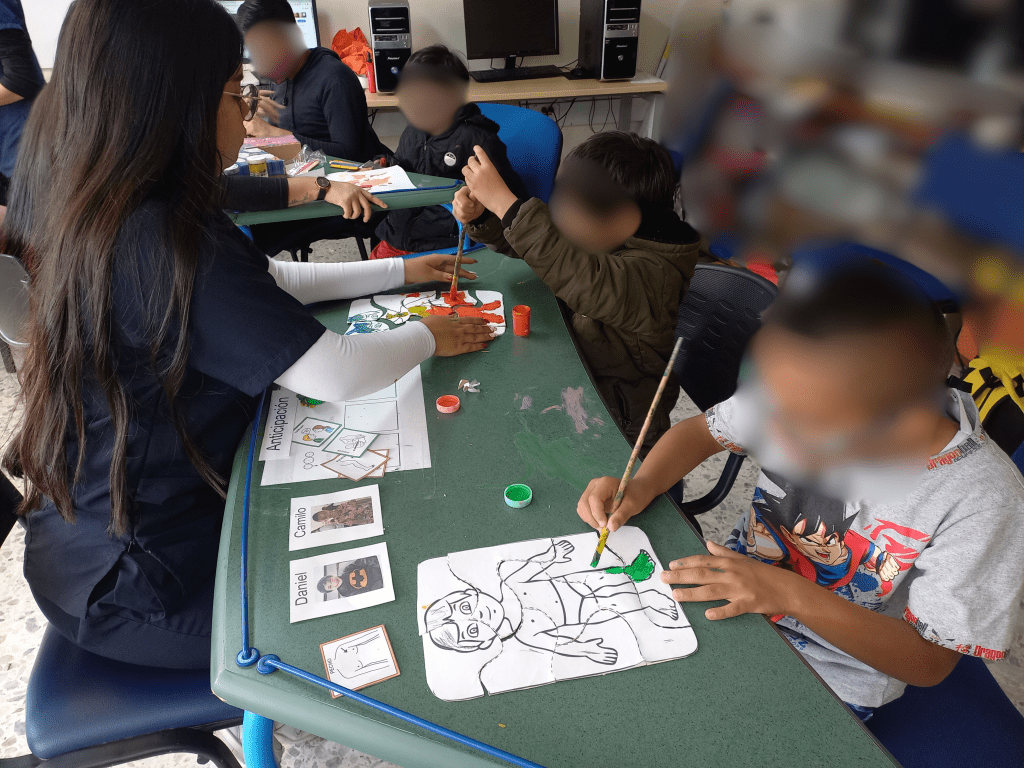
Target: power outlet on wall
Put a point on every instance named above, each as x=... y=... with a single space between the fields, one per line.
x=548 y=110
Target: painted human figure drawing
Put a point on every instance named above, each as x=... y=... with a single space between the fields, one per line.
x=535 y=612
x=388 y=311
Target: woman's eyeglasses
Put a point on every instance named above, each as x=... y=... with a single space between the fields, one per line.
x=250 y=97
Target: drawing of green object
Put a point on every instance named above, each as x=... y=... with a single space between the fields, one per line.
x=309 y=402
x=639 y=570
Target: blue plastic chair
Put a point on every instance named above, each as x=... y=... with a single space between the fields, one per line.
x=829 y=254
x=964 y=720
x=85 y=711
x=533 y=142
x=979 y=191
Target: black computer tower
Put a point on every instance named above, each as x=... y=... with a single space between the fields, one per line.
x=390 y=40
x=609 y=38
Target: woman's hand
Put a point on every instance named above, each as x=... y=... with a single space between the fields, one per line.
x=435 y=266
x=465 y=207
x=458 y=335
x=354 y=201
x=595 y=505
x=749 y=585
x=261 y=129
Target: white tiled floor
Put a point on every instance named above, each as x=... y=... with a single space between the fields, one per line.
x=21 y=624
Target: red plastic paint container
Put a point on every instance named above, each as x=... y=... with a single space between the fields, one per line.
x=521 y=320
x=448 y=403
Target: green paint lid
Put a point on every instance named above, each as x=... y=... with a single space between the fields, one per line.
x=518 y=495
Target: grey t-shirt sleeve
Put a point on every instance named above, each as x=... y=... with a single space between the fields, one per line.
x=722 y=421
x=969 y=576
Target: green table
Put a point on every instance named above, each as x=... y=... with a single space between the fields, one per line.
x=744 y=698
x=426 y=194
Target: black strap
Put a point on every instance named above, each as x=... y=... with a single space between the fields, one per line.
x=955 y=382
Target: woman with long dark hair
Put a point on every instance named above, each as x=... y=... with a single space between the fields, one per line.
x=155 y=325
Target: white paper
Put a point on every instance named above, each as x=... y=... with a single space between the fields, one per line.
x=339 y=582
x=335 y=518
x=277 y=441
x=534 y=612
x=360 y=659
x=396 y=414
x=376 y=180
x=388 y=311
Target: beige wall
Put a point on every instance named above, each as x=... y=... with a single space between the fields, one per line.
x=440 y=21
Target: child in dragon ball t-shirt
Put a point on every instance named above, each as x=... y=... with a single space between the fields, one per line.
x=884 y=536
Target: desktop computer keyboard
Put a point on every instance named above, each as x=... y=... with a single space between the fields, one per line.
x=517 y=73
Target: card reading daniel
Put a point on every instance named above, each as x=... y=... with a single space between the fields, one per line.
x=339 y=582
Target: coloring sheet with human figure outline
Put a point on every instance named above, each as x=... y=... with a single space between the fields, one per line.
x=396 y=416
x=391 y=310
x=534 y=612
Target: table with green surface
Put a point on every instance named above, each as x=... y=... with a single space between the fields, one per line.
x=430 y=190
x=744 y=698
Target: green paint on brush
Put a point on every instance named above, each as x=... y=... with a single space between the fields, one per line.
x=640 y=569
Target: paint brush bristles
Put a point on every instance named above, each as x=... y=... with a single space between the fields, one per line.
x=454 y=291
x=636 y=451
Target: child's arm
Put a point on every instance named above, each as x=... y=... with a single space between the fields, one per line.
x=680 y=450
x=606 y=287
x=885 y=643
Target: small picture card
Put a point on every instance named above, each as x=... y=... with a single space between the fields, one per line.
x=311 y=431
x=356 y=468
x=335 y=518
x=339 y=582
x=360 y=659
x=379 y=471
x=351 y=442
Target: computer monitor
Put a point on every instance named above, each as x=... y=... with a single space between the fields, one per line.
x=510 y=28
x=305 y=17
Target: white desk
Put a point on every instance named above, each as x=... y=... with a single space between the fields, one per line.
x=552 y=89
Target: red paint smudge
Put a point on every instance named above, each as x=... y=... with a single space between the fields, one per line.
x=490 y=317
x=491 y=305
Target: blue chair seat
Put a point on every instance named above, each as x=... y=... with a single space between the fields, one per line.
x=77 y=700
x=964 y=720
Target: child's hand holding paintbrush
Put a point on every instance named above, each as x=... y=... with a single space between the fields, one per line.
x=592 y=503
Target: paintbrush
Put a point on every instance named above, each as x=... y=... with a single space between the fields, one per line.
x=636 y=452
x=453 y=292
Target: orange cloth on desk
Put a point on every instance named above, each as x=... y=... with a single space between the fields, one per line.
x=352 y=48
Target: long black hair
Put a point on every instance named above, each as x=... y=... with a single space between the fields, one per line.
x=130 y=114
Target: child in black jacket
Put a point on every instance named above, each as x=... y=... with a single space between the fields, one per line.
x=439 y=141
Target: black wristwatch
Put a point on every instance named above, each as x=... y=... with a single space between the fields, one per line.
x=325 y=184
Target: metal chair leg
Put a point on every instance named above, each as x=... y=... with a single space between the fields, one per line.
x=362 y=249
x=5 y=351
x=204 y=745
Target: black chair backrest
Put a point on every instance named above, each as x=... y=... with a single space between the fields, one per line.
x=719 y=313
